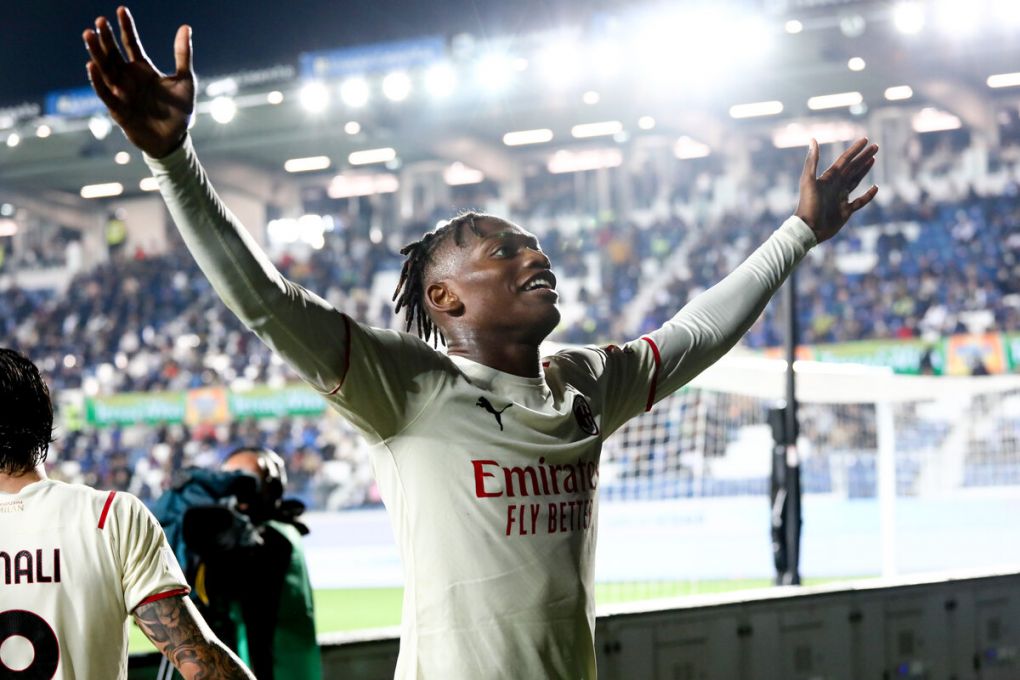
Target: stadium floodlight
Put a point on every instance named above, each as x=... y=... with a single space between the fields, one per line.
x=13 y=139
x=354 y=92
x=306 y=164
x=352 y=127
x=591 y=98
x=440 y=81
x=856 y=64
x=275 y=97
x=798 y=134
x=1006 y=12
x=495 y=72
x=352 y=186
x=104 y=190
x=646 y=122
x=930 y=119
x=606 y=59
x=600 y=129
x=853 y=25
x=898 y=93
x=579 y=161
x=793 y=26
x=834 y=101
x=756 y=109
x=996 y=81
x=223 y=109
x=521 y=137
x=908 y=17
x=8 y=227
x=687 y=148
x=396 y=86
x=100 y=126
x=368 y=156
x=148 y=184
x=458 y=174
x=560 y=63
x=43 y=131
x=6 y=209
x=957 y=17
x=314 y=97
x=122 y=158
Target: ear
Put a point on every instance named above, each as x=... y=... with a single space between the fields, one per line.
x=441 y=298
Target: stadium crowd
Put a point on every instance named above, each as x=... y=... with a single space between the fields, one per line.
x=144 y=322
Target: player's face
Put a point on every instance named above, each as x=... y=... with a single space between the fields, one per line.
x=505 y=282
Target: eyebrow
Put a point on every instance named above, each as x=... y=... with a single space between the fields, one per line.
x=508 y=234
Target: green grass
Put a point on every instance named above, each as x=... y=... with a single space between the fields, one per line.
x=357 y=608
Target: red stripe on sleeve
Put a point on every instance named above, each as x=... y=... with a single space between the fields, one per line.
x=162 y=596
x=655 y=376
x=106 y=509
x=347 y=356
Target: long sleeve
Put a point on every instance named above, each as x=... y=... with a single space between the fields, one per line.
x=301 y=327
x=713 y=322
x=633 y=377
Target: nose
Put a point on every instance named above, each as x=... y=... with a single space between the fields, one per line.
x=536 y=258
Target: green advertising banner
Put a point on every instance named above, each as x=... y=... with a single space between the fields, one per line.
x=903 y=356
x=135 y=407
x=268 y=402
x=206 y=405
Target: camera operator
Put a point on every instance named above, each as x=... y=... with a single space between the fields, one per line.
x=240 y=542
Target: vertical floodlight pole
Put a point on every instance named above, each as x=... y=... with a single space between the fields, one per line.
x=786 y=492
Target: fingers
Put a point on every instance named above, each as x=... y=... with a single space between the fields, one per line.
x=811 y=162
x=108 y=44
x=182 y=51
x=129 y=35
x=858 y=174
x=848 y=155
x=102 y=89
x=864 y=199
x=101 y=67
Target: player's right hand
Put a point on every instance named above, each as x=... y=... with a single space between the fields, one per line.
x=153 y=109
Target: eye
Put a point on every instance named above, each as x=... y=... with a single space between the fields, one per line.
x=503 y=251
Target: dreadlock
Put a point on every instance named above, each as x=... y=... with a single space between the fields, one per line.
x=410 y=292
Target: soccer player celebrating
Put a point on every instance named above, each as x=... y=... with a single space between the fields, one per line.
x=487 y=457
x=78 y=562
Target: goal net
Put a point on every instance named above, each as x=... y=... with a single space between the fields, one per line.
x=900 y=474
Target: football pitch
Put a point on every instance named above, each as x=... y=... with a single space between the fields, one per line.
x=344 y=609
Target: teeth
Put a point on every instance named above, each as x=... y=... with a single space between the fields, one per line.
x=538 y=283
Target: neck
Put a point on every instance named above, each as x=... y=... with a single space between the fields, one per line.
x=13 y=483
x=516 y=358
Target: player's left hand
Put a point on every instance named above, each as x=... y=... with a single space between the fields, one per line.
x=825 y=203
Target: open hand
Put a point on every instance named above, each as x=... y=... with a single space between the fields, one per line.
x=153 y=109
x=825 y=203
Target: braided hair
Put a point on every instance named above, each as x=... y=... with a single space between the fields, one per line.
x=410 y=292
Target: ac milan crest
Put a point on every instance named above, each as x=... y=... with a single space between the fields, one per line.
x=585 y=419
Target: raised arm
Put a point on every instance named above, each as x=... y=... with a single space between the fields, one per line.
x=711 y=324
x=666 y=359
x=182 y=635
x=154 y=110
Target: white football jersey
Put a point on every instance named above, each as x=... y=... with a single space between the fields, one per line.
x=74 y=564
x=490 y=479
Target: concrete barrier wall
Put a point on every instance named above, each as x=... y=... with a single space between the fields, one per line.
x=963 y=626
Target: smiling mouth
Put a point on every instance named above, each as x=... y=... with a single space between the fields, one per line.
x=544 y=281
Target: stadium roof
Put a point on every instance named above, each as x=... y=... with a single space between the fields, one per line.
x=683 y=68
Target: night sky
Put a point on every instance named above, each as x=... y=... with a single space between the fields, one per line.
x=42 y=48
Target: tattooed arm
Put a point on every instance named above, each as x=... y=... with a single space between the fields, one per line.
x=182 y=635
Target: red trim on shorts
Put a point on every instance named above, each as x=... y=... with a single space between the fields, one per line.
x=655 y=376
x=106 y=509
x=162 y=596
x=347 y=356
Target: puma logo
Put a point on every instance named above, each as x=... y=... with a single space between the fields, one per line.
x=484 y=403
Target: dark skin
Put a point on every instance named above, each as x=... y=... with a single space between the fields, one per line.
x=179 y=632
x=471 y=295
